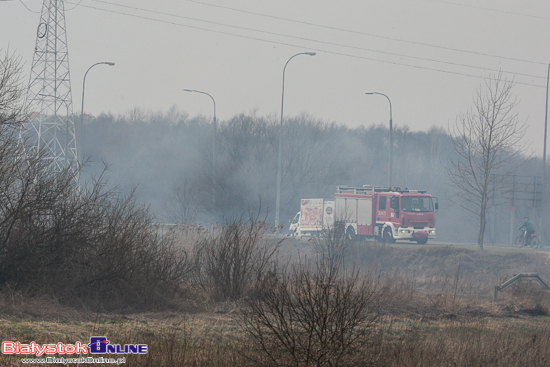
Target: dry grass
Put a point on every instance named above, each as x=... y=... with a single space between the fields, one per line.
x=172 y=339
x=439 y=312
x=474 y=342
x=212 y=339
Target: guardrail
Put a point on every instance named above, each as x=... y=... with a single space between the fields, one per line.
x=516 y=278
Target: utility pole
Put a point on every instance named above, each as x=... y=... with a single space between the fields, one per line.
x=50 y=127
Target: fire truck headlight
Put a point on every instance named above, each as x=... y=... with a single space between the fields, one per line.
x=404 y=231
x=431 y=231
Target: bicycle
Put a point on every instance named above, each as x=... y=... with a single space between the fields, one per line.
x=520 y=240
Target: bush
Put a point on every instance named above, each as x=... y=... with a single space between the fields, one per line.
x=233 y=260
x=95 y=246
x=333 y=246
x=90 y=245
x=313 y=315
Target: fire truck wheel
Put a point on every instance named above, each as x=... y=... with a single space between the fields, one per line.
x=388 y=236
x=422 y=240
x=350 y=233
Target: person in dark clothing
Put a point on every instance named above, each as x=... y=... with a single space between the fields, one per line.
x=529 y=230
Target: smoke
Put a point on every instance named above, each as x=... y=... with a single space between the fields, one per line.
x=168 y=158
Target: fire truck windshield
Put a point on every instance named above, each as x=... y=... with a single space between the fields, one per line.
x=417 y=204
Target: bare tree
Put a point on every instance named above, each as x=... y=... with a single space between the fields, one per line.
x=10 y=89
x=488 y=141
x=185 y=204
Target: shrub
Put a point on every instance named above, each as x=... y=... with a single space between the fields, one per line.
x=89 y=244
x=313 y=315
x=232 y=260
x=95 y=246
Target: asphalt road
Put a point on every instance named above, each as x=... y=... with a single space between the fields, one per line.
x=487 y=246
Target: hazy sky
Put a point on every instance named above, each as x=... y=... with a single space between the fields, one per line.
x=428 y=56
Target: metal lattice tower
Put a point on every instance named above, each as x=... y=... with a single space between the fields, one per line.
x=50 y=125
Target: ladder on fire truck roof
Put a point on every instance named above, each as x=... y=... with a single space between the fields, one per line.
x=366 y=189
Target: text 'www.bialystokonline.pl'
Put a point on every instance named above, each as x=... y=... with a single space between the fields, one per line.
x=82 y=360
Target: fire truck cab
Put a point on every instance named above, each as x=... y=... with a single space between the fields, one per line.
x=385 y=213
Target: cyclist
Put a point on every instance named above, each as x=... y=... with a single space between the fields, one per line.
x=529 y=230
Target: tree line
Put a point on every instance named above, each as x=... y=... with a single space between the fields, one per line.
x=169 y=157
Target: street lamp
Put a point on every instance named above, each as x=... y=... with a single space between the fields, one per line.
x=545 y=131
x=278 y=202
x=543 y=211
x=213 y=144
x=82 y=110
x=391 y=137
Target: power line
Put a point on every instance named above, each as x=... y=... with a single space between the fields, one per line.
x=293 y=45
x=318 y=41
x=37 y=12
x=32 y=11
x=74 y=7
x=491 y=9
x=366 y=34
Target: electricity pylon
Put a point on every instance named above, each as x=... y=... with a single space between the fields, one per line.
x=50 y=129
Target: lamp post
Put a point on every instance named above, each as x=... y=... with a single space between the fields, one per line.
x=543 y=211
x=279 y=168
x=545 y=131
x=82 y=110
x=213 y=144
x=391 y=137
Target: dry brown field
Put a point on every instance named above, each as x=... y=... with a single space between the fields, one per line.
x=443 y=313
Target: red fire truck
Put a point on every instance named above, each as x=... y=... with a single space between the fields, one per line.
x=385 y=213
